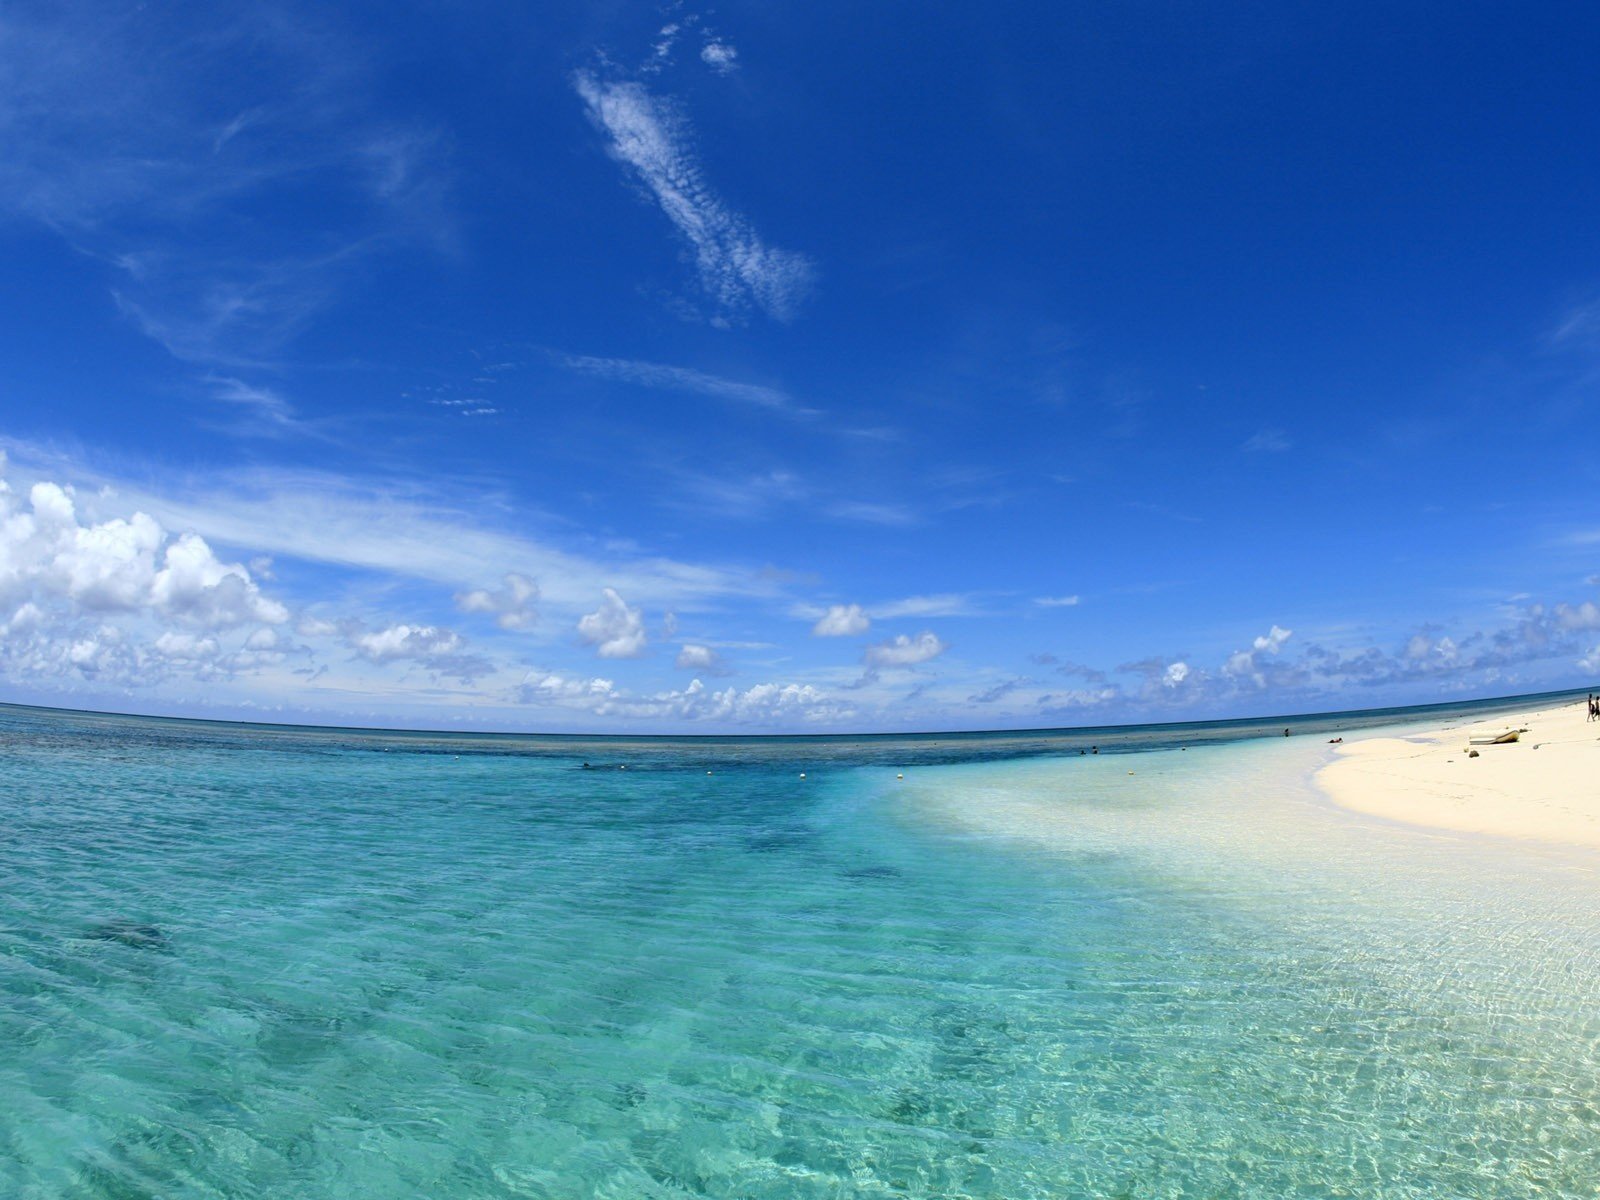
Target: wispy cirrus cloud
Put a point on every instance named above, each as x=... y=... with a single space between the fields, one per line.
x=758 y=495
x=743 y=498
x=872 y=512
x=1578 y=327
x=161 y=143
x=738 y=270
x=265 y=410
x=937 y=604
x=684 y=379
x=1267 y=441
x=841 y=620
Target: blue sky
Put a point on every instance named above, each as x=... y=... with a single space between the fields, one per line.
x=796 y=367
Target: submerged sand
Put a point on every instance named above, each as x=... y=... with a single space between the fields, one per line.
x=1546 y=786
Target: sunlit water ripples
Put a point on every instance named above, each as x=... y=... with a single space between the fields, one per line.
x=236 y=963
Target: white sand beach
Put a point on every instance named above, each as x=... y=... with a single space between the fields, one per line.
x=1545 y=786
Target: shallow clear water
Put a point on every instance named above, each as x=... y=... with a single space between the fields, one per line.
x=293 y=964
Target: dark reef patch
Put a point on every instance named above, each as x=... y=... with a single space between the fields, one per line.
x=872 y=872
x=130 y=933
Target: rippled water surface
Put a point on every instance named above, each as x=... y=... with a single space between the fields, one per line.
x=240 y=963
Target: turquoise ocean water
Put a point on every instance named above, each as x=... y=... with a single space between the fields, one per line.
x=239 y=961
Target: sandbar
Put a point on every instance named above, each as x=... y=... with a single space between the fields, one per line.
x=1545 y=786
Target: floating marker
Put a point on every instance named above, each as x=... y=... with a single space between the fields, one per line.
x=802 y=774
x=899 y=776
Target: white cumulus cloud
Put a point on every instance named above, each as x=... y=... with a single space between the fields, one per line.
x=421 y=642
x=1272 y=641
x=904 y=651
x=761 y=704
x=57 y=563
x=842 y=620
x=186 y=647
x=1578 y=616
x=121 y=602
x=614 y=629
x=695 y=657
x=720 y=56
x=511 y=604
x=433 y=647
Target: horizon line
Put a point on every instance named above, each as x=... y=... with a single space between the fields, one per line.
x=1263 y=718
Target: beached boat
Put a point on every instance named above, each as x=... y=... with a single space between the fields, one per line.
x=1504 y=739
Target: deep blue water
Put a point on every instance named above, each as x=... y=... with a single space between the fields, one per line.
x=249 y=962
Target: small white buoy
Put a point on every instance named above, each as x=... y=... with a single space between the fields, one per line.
x=708 y=772
x=802 y=774
x=899 y=776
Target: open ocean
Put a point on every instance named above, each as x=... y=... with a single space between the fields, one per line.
x=267 y=962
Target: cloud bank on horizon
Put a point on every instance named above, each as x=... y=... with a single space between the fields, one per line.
x=662 y=374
